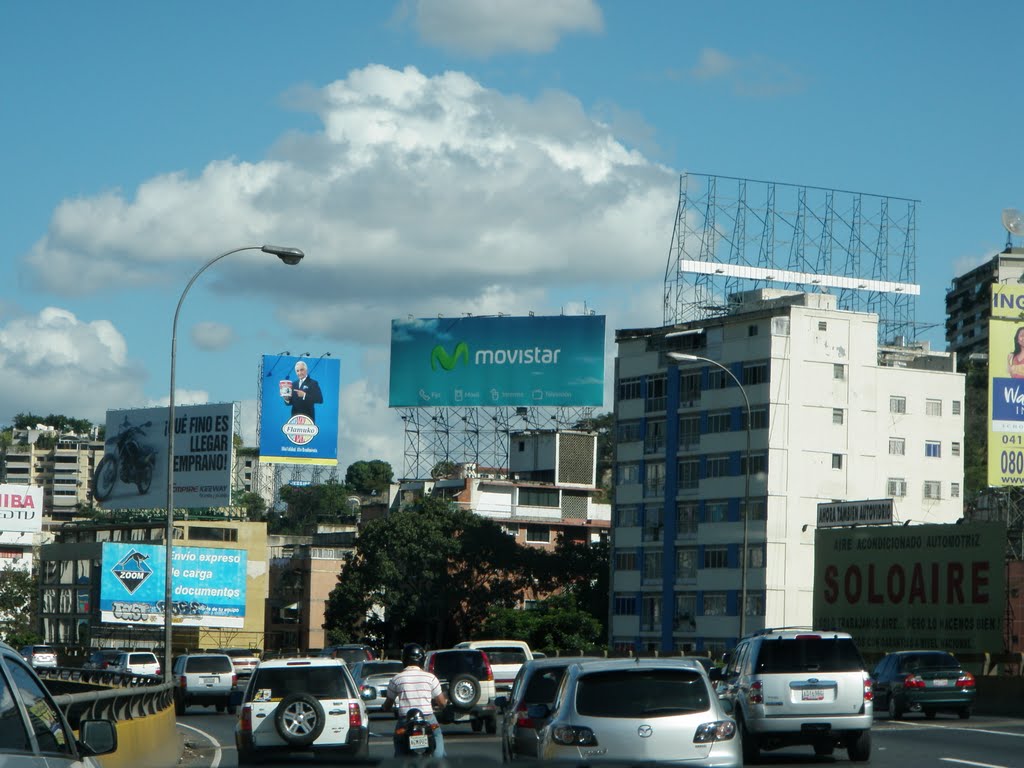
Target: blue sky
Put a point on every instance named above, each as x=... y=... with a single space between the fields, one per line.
x=442 y=156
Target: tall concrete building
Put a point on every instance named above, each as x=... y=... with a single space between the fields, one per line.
x=834 y=416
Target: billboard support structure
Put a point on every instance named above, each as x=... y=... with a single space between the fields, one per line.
x=474 y=434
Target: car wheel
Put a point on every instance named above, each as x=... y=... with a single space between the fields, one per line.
x=491 y=725
x=749 y=742
x=247 y=756
x=464 y=691
x=964 y=713
x=476 y=724
x=220 y=707
x=859 y=747
x=231 y=708
x=895 y=710
x=929 y=714
x=179 y=705
x=299 y=719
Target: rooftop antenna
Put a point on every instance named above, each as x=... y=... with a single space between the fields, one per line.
x=1013 y=220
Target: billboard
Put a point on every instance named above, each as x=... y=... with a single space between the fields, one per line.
x=1006 y=387
x=870 y=512
x=299 y=410
x=21 y=508
x=922 y=586
x=207 y=585
x=493 y=361
x=133 y=471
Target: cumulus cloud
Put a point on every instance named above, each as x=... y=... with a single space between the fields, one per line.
x=56 y=363
x=502 y=26
x=212 y=336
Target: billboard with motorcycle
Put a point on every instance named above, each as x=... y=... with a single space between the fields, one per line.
x=498 y=361
x=299 y=410
x=207 y=585
x=133 y=471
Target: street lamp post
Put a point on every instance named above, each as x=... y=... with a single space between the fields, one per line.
x=288 y=256
x=686 y=357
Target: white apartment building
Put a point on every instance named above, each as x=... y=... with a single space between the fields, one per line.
x=833 y=417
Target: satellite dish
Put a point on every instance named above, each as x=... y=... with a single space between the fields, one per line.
x=1013 y=220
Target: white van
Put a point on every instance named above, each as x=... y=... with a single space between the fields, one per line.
x=506 y=657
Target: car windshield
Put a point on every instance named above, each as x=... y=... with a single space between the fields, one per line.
x=808 y=654
x=242 y=652
x=506 y=655
x=321 y=682
x=142 y=658
x=642 y=693
x=350 y=655
x=43 y=649
x=380 y=668
x=209 y=664
x=543 y=685
x=928 y=661
x=447 y=665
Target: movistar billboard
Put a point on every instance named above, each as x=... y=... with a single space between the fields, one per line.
x=528 y=361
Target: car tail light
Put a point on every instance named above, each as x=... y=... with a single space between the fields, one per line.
x=487 y=667
x=574 y=736
x=158 y=672
x=719 y=730
x=355 y=717
x=755 y=696
x=913 y=681
x=246 y=720
x=184 y=681
x=234 y=679
x=966 y=680
x=430 y=665
x=522 y=720
x=869 y=693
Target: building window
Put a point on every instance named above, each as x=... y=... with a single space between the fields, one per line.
x=686 y=611
x=718 y=379
x=625 y=560
x=627 y=515
x=896 y=487
x=897 y=446
x=754 y=373
x=758 y=418
x=751 y=330
x=719 y=421
x=758 y=509
x=837 y=415
x=758 y=463
x=822 y=325
x=956 y=407
x=689 y=474
x=716 y=557
x=653 y=524
x=686 y=517
x=755 y=556
x=625 y=605
x=932 y=489
x=629 y=473
x=657 y=388
x=715 y=604
x=954 y=490
x=629 y=389
x=654 y=478
x=689 y=386
x=932 y=449
x=686 y=563
x=955 y=449
x=689 y=432
x=932 y=407
x=538 y=534
x=755 y=604
x=650 y=613
x=837 y=461
x=717 y=466
x=654 y=440
x=716 y=511
x=897 y=404
x=838 y=371
x=629 y=432
x=538 y=497
x=652 y=566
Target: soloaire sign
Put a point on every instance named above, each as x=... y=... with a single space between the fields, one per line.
x=925 y=586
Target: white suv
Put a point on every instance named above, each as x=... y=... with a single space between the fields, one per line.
x=310 y=705
x=137 y=663
x=799 y=686
x=507 y=658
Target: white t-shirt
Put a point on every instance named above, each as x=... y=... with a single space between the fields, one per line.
x=414 y=688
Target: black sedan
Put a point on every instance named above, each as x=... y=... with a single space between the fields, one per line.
x=922 y=681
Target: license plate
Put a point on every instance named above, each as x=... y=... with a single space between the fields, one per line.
x=211 y=680
x=940 y=683
x=812 y=694
x=419 y=742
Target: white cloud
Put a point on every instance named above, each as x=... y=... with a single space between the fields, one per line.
x=212 y=336
x=503 y=26
x=59 y=364
x=753 y=75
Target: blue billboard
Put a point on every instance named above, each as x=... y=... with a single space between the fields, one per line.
x=207 y=585
x=520 y=361
x=299 y=410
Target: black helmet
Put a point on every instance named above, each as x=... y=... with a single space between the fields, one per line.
x=413 y=655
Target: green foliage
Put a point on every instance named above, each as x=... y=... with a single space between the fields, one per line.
x=444 y=469
x=435 y=570
x=312 y=504
x=253 y=504
x=18 y=604
x=975 y=432
x=369 y=477
x=557 y=625
x=57 y=421
x=581 y=570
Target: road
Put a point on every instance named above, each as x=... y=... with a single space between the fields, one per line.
x=983 y=742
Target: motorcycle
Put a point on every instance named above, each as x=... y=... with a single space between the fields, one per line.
x=414 y=735
x=127 y=459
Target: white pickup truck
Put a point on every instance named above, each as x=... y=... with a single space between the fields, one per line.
x=505 y=656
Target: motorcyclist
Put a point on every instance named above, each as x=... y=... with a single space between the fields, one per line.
x=415 y=688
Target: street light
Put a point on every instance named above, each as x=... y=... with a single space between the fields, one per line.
x=289 y=256
x=686 y=357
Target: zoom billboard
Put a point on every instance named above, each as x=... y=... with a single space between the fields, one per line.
x=492 y=361
x=299 y=410
x=207 y=585
x=133 y=471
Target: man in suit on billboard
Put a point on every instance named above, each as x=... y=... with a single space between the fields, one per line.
x=305 y=393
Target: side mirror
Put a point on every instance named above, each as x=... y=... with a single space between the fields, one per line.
x=97 y=737
x=368 y=693
x=727 y=705
x=715 y=674
x=538 y=711
x=501 y=702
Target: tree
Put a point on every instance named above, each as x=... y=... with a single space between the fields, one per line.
x=309 y=505
x=557 y=624
x=584 y=572
x=430 y=572
x=369 y=477
x=444 y=468
x=57 y=421
x=254 y=505
x=18 y=602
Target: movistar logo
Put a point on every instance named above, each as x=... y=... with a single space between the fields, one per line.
x=439 y=356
